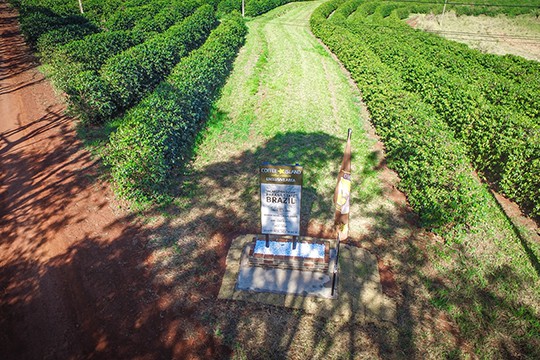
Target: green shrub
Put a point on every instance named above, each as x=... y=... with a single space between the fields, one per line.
x=50 y=41
x=89 y=95
x=492 y=115
x=258 y=7
x=134 y=72
x=227 y=6
x=127 y=18
x=156 y=138
x=36 y=21
x=98 y=11
x=252 y=7
x=168 y=16
x=433 y=166
x=94 y=50
x=129 y=75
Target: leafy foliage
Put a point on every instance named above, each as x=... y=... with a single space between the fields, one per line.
x=51 y=40
x=155 y=139
x=252 y=7
x=36 y=21
x=431 y=162
x=489 y=109
x=127 y=76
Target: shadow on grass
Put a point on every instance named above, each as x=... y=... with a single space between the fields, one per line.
x=102 y=298
x=492 y=311
x=238 y=176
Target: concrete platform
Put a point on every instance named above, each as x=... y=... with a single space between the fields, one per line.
x=285 y=281
x=359 y=292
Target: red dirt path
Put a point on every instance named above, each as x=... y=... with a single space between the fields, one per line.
x=73 y=277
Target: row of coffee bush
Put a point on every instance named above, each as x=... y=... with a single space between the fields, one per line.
x=433 y=165
x=517 y=91
x=496 y=117
x=474 y=7
x=155 y=138
x=126 y=77
x=38 y=18
x=37 y=21
x=251 y=7
x=91 y=52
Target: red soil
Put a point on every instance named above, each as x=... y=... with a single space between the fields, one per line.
x=74 y=282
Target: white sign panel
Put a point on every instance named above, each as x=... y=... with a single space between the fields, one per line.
x=281 y=194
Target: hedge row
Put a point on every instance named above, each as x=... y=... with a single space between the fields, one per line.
x=481 y=7
x=155 y=139
x=94 y=50
x=61 y=8
x=258 y=7
x=126 y=77
x=98 y=11
x=482 y=108
x=252 y=7
x=168 y=16
x=433 y=166
x=88 y=54
x=91 y=52
x=36 y=21
x=127 y=18
x=49 y=42
x=500 y=88
x=510 y=66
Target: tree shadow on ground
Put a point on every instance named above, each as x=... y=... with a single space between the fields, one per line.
x=148 y=289
x=74 y=289
x=227 y=194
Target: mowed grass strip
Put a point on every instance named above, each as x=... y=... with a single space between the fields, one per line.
x=287 y=101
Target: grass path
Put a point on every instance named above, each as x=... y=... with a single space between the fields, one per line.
x=288 y=101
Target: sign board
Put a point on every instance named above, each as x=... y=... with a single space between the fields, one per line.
x=281 y=194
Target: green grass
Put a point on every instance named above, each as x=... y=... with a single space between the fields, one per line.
x=287 y=101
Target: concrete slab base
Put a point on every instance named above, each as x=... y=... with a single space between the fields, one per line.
x=285 y=281
x=359 y=292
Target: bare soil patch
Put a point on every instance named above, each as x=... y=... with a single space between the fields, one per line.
x=498 y=35
x=73 y=267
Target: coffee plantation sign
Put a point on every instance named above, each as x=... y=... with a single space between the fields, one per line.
x=281 y=194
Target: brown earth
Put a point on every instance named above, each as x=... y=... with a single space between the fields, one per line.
x=500 y=35
x=74 y=278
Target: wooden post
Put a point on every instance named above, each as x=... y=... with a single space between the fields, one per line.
x=443 y=11
x=334 y=276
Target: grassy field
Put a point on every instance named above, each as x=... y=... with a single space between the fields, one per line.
x=288 y=101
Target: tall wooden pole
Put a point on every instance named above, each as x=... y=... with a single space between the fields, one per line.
x=342 y=192
x=341 y=200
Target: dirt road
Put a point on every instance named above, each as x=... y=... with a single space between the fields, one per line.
x=73 y=276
